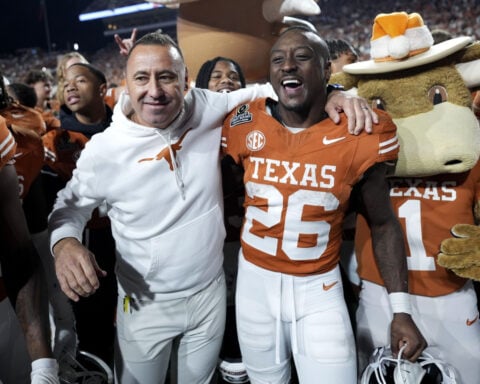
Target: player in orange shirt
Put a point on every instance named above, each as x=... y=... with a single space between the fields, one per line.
x=300 y=170
x=27 y=126
x=23 y=281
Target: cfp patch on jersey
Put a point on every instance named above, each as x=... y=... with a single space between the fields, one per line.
x=242 y=116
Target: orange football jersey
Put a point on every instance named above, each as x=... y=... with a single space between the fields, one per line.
x=28 y=158
x=62 y=149
x=427 y=208
x=298 y=185
x=51 y=122
x=7 y=143
x=24 y=117
x=26 y=126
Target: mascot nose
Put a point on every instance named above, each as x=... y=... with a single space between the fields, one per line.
x=453 y=162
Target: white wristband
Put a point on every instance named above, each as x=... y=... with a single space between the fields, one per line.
x=400 y=302
x=44 y=371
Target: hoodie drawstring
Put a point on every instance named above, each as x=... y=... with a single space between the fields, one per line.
x=176 y=167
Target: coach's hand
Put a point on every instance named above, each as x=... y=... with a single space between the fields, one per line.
x=359 y=115
x=76 y=268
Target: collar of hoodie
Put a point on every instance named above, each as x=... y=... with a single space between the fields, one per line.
x=172 y=133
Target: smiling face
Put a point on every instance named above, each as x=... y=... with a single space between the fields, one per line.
x=299 y=72
x=224 y=77
x=155 y=80
x=82 y=90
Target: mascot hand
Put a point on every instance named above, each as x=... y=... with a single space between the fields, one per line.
x=461 y=253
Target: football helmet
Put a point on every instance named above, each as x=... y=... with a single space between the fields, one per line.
x=85 y=368
x=386 y=369
x=233 y=371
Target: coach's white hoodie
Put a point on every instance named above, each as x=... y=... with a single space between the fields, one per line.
x=166 y=216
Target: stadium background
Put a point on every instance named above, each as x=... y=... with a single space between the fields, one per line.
x=35 y=32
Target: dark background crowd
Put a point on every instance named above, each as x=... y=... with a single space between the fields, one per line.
x=340 y=19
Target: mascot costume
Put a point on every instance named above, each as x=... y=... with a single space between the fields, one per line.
x=427 y=89
x=240 y=30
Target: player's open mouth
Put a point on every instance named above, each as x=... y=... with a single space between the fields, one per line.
x=292 y=87
x=291 y=83
x=225 y=90
x=72 y=99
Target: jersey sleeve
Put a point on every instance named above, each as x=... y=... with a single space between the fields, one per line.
x=18 y=115
x=245 y=95
x=232 y=144
x=389 y=146
x=7 y=144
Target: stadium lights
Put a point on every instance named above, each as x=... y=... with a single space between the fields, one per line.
x=117 y=11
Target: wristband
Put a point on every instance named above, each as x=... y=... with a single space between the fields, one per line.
x=44 y=371
x=400 y=302
x=334 y=87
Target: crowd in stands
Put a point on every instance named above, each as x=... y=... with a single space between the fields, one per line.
x=340 y=19
x=352 y=19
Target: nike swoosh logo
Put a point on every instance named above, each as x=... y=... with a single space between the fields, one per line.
x=471 y=322
x=327 y=141
x=327 y=287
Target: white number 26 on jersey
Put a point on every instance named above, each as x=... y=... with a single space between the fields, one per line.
x=293 y=227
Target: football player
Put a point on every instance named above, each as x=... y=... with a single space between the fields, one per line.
x=23 y=282
x=300 y=170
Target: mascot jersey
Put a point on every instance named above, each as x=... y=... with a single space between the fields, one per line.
x=7 y=144
x=428 y=208
x=298 y=185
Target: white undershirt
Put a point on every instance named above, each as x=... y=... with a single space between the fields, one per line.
x=291 y=129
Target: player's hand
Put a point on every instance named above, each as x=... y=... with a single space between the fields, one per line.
x=126 y=44
x=404 y=332
x=359 y=114
x=461 y=253
x=76 y=268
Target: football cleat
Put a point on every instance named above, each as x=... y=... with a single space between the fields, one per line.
x=386 y=369
x=85 y=368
